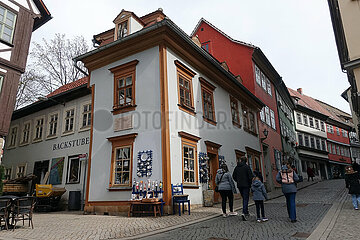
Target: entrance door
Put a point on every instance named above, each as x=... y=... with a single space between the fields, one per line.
x=40 y=169
x=214 y=166
x=322 y=171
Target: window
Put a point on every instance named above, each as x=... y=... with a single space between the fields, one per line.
x=73 y=174
x=8 y=173
x=337 y=131
x=254 y=159
x=13 y=136
x=189 y=158
x=7 y=24
x=249 y=120
x=317 y=126
x=69 y=120
x=245 y=117
x=262 y=114
x=257 y=75
x=20 y=171
x=333 y=149
x=300 y=137
x=252 y=124
x=184 y=78
x=124 y=87
x=235 y=111
x=263 y=81
x=53 y=124
x=25 y=133
x=268 y=87
x=329 y=128
x=121 y=160
x=267 y=116
x=205 y=46
x=322 y=126
x=86 y=115
x=344 y=133
x=318 y=146
x=39 y=129
x=329 y=147
x=298 y=116
x=312 y=142
x=239 y=154
x=272 y=116
x=342 y=151
x=207 y=101
x=1 y=82
x=277 y=156
x=305 y=120
x=123 y=30
x=338 y=150
x=306 y=137
x=311 y=122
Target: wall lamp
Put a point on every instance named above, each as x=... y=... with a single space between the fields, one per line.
x=47 y=99
x=266 y=133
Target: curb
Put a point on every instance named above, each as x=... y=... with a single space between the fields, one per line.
x=167 y=229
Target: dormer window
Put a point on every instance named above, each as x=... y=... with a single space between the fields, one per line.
x=123 y=29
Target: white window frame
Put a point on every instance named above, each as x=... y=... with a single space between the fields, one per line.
x=272 y=118
x=87 y=127
x=1 y=82
x=268 y=86
x=305 y=120
x=263 y=81
x=257 y=75
x=10 y=146
x=64 y=133
x=317 y=124
x=23 y=143
x=311 y=122
x=337 y=131
x=35 y=138
x=70 y=160
x=302 y=142
x=299 y=117
x=322 y=126
x=267 y=115
x=24 y=165
x=4 y=24
x=48 y=136
x=8 y=172
x=262 y=114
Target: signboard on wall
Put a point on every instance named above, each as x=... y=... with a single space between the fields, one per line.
x=56 y=170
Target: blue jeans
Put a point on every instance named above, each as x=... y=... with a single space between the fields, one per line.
x=245 y=192
x=290 y=203
x=355 y=200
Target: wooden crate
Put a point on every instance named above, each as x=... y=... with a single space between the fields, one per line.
x=15 y=187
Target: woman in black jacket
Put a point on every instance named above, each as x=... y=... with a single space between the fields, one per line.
x=352 y=183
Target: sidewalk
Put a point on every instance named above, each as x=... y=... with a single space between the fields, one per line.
x=75 y=225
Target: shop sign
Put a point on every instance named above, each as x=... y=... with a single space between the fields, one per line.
x=72 y=143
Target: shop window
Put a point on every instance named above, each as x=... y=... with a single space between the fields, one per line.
x=56 y=170
x=235 y=111
x=25 y=138
x=85 y=116
x=207 y=90
x=73 y=173
x=8 y=173
x=69 y=121
x=298 y=116
x=7 y=24
x=257 y=75
x=39 y=129
x=121 y=160
x=185 y=91
x=13 y=136
x=124 y=87
x=21 y=171
x=272 y=116
x=53 y=124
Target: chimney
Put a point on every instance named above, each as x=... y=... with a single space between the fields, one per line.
x=299 y=90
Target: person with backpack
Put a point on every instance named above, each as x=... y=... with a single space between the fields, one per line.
x=287 y=178
x=243 y=177
x=226 y=187
x=259 y=195
x=352 y=183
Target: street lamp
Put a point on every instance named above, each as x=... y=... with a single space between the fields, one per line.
x=41 y=98
x=266 y=133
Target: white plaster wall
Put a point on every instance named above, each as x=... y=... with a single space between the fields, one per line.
x=146 y=122
x=43 y=150
x=5 y=55
x=224 y=133
x=308 y=129
x=134 y=25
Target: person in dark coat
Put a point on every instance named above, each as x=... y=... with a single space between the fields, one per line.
x=356 y=167
x=352 y=183
x=287 y=178
x=243 y=177
x=226 y=188
x=310 y=173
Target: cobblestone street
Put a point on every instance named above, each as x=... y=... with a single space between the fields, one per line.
x=313 y=203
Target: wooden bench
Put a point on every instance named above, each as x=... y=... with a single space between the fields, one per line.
x=155 y=207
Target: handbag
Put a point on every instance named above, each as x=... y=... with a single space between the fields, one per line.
x=217 y=188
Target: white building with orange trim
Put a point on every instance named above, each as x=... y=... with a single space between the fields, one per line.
x=158 y=96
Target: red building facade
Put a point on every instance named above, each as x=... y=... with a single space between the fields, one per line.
x=256 y=73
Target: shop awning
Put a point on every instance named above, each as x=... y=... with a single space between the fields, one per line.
x=339 y=163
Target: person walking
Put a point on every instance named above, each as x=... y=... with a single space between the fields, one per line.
x=243 y=177
x=287 y=178
x=259 y=195
x=310 y=173
x=352 y=183
x=226 y=188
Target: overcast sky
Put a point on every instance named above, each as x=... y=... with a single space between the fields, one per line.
x=295 y=35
